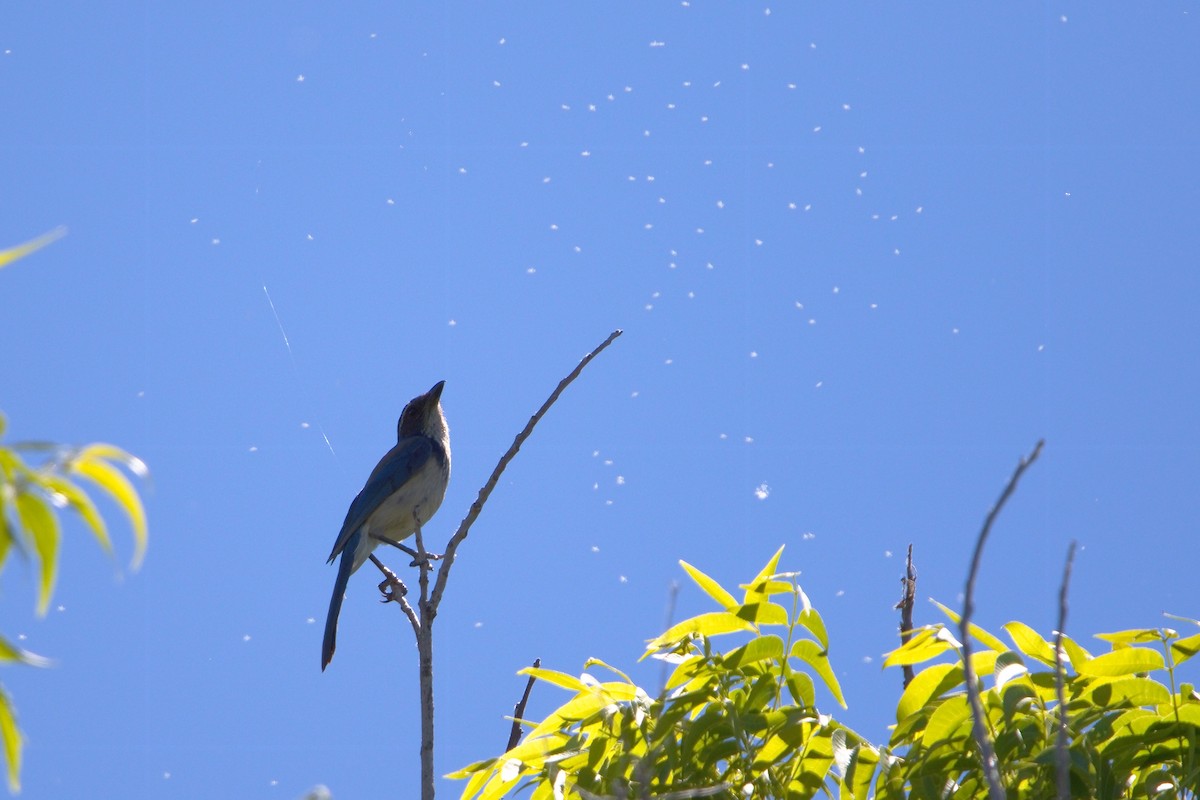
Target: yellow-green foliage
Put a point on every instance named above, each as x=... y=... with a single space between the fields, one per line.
x=744 y=722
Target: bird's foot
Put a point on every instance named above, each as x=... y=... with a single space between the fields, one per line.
x=392 y=588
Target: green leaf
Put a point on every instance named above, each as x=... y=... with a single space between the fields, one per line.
x=710 y=587
x=758 y=649
x=42 y=526
x=569 y=682
x=763 y=613
x=812 y=622
x=752 y=594
x=1121 y=639
x=711 y=624
x=1126 y=661
x=925 y=644
x=1127 y=692
x=9 y=652
x=809 y=652
x=13 y=741
x=1183 y=649
x=20 y=251
x=926 y=686
x=1030 y=642
x=1077 y=654
x=946 y=723
x=979 y=633
x=88 y=463
x=78 y=500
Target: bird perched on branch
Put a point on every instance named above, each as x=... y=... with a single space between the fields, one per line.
x=407 y=485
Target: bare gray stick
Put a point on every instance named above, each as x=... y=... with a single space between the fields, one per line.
x=1062 y=757
x=978 y=728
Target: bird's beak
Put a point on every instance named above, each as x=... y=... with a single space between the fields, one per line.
x=435 y=394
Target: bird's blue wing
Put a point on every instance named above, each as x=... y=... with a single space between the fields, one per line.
x=393 y=470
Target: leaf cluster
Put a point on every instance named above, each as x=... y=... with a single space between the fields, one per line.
x=743 y=722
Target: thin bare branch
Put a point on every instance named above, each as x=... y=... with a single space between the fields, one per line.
x=909 y=584
x=979 y=730
x=519 y=710
x=1062 y=758
x=394 y=591
x=476 y=507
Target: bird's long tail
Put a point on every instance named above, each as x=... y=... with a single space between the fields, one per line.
x=345 y=567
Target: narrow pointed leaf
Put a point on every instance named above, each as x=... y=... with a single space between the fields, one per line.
x=711 y=624
x=116 y=484
x=710 y=586
x=809 y=652
x=13 y=741
x=42 y=526
x=20 y=251
x=1126 y=661
x=767 y=571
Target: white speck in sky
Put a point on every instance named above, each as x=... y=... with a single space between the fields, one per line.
x=745 y=66
x=622 y=578
x=645 y=133
x=723 y=436
x=808 y=536
x=837 y=289
x=670 y=105
x=874 y=306
x=874 y=216
x=858 y=192
x=669 y=362
x=546 y=179
x=766 y=12
x=799 y=305
x=758 y=242
x=893 y=217
x=620 y=480
x=595 y=549
x=608 y=462
x=649 y=225
x=762 y=491
x=216 y=241
x=530 y=270
x=861 y=149
x=634 y=393
x=754 y=354
x=649 y=179
x=1041 y=347
x=812 y=321
x=253 y=448
x=657 y=43
x=720 y=204
x=699 y=230
x=808 y=206
x=523 y=144
x=452 y=323
x=245 y=637
x=462 y=170
x=166 y=776
x=819 y=384
x=299 y=79
x=1063 y=18
x=862 y=174
x=708 y=162
x=691 y=295
x=715 y=85
x=896 y=251
x=578 y=249
x=791 y=86
x=391 y=202
x=194 y=220
x=1066 y=194
x=792 y=206
x=628 y=89
x=920 y=209
x=748 y=440
x=845 y=106
x=305 y=425
x=495 y=83
x=954 y=331
x=586 y=153
x=709 y=265
x=704 y=118
x=887 y=553
x=309 y=237
x=817 y=129
x=648 y=307
x=477 y=625
x=553 y=226
x=591 y=106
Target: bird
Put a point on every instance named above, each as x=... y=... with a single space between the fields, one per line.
x=407 y=485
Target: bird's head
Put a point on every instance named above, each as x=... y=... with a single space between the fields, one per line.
x=423 y=417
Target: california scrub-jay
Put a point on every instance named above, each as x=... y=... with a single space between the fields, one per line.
x=410 y=481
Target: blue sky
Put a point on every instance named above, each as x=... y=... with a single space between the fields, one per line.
x=865 y=256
